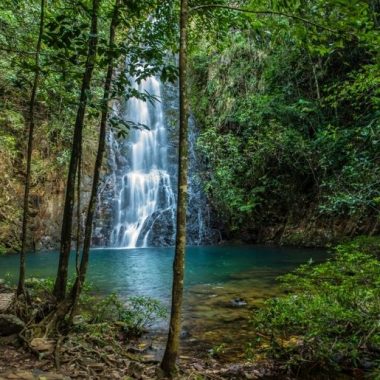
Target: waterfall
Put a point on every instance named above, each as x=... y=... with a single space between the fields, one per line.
x=136 y=202
x=141 y=177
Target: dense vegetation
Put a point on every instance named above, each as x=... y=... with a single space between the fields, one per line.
x=288 y=113
x=289 y=118
x=286 y=98
x=62 y=61
x=330 y=318
x=85 y=43
x=55 y=107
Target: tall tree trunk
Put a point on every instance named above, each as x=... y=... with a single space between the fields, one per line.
x=66 y=232
x=79 y=226
x=32 y=106
x=98 y=163
x=168 y=363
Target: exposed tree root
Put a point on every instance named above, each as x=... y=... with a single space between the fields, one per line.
x=57 y=359
x=42 y=334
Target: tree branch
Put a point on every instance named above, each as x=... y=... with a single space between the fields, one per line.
x=3 y=48
x=264 y=13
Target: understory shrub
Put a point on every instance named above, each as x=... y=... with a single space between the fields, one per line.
x=330 y=317
x=135 y=315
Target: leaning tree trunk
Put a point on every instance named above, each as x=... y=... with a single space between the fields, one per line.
x=168 y=363
x=98 y=163
x=66 y=232
x=32 y=106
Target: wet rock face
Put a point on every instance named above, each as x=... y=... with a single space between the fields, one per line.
x=200 y=217
x=160 y=225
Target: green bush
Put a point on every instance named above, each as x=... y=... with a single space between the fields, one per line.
x=140 y=313
x=42 y=286
x=135 y=315
x=283 y=134
x=109 y=309
x=330 y=317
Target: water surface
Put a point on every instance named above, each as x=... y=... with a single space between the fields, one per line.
x=148 y=271
x=214 y=276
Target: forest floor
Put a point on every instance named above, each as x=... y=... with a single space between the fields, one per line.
x=17 y=363
x=82 y=356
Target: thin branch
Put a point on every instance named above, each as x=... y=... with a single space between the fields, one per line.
x=265 y=13
x=3 y=48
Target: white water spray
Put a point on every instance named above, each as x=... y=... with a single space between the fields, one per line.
x=144 y=184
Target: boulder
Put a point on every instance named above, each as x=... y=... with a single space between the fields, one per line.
x=160 y=226
x=10 y=324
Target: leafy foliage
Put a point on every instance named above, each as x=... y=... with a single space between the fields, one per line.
x=289 y=113
x=148 y=46
x=135 y=315
x=140 y=313
x=330 y=317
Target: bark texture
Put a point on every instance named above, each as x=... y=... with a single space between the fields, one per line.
x=32 y=106
x=99 y=159
x=66 y=232
x=168 y=364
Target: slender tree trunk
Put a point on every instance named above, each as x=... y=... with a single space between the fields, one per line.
x=168 y=363
x=98 y=163
x=66 y=232
x=21 y=281
x=79 y=227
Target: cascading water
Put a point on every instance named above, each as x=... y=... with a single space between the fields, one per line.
x=136 y=203
x=142 y=180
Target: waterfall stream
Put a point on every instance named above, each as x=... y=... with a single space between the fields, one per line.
x=142 y=179
x=136 y=202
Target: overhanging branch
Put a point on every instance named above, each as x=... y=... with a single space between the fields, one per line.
x=264 y=13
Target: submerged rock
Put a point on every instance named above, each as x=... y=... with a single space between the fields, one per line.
x=10 y=324
x=185 y=334
x=238 y=302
